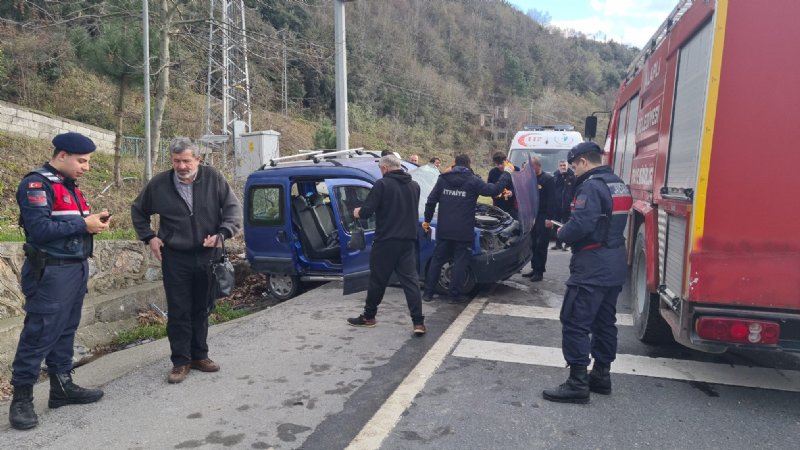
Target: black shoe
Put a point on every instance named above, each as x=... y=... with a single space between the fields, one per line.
x=458 y=300
x=555 y=247
x=529 y=274
x=600 y=378
x=537 y=276
x=21 y=415
x=64 y=392
x=362 y=321
x=574 y=390
x=427 y=298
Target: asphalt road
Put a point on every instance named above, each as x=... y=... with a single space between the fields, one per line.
x=296 y=376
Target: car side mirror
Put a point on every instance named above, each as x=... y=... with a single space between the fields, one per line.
x=590 y=128
x=357 y=241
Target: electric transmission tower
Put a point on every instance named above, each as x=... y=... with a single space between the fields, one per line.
x=228 y=96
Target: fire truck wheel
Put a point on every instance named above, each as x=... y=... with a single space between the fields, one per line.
x=647 y=321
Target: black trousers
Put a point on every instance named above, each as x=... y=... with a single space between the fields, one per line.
x=398 y=256
x=589 y=310
x=540 y=239
x=445 y=249
x=186 y=284
x=53 y=305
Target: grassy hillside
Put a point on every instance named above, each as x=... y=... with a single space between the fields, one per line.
x=421 y=73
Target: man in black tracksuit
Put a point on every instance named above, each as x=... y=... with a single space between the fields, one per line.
x=540 y=235
x=565 y=190
x=394 y=199
x=196 y=207
x=457 y=193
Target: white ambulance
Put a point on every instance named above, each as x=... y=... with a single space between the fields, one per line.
x=550 y=143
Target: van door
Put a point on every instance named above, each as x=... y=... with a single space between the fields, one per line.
x=346 y=195
x=267 y=226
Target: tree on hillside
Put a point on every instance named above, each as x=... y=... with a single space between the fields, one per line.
x=114 y=49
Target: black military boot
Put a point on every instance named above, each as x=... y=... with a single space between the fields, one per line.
x=574 y=390
x=21 y=415
x=600 y=378
x=64 y=392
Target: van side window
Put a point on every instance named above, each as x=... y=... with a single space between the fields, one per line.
x=266 y=205
x=349 y=198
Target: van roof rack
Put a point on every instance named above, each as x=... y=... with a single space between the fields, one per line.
x=321 y=155
x=557 y=127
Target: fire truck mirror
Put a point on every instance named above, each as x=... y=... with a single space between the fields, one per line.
x=590 y=128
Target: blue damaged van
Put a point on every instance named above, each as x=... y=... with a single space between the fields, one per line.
x=298 y=224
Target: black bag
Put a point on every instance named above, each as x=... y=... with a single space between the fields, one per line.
x=222 y=277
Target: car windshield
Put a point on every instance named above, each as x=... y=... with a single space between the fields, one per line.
x=548 y=157
x=426 y=176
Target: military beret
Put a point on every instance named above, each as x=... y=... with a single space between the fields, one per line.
x=582 y=149
x=73 y=143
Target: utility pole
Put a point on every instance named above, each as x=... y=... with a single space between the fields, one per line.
x=285 y=85
x=148 y=163
x=342 y=133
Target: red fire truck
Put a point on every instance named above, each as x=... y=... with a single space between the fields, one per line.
x=702 y=132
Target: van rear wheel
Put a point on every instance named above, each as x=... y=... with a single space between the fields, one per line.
x=283 y=286
x=650 y=327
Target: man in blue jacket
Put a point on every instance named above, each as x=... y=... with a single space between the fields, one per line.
x=456 y=192
x=597 y=272
x=394 y=199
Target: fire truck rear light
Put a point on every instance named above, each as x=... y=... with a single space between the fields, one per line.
x=745 y=331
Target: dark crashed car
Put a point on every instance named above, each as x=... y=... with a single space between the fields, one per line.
x=299 y=224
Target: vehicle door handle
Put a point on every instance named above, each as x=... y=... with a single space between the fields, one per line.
x=281 y=237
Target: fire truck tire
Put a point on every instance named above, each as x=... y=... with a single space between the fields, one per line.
x=647 y=321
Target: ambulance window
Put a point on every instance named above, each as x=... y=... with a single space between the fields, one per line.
x=266 y=205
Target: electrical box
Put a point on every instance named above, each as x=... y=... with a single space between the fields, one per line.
x=255 y=150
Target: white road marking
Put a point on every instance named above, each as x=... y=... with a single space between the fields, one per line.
x=384 y=421
x=674 y=369
x=537 y=312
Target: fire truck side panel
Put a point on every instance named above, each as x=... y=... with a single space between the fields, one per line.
x=746 y=245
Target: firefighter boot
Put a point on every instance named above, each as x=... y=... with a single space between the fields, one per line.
x=574 y=390
x=21 y=415
x=64 y=392
x=600 y=378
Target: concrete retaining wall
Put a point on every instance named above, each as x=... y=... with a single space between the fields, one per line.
x=124 y=278
x=40 y=125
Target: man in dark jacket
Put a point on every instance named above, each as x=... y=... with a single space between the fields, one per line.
x=394 y=199
x=540 y=235
x=196 y=208
x=456 y=192
x=565 y=189
x=597 y=273
x=505 y=200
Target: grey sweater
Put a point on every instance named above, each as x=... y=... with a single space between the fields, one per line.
x=215 y=210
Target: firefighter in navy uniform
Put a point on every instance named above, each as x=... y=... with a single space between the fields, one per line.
x=456 y=192
x=58 y=228
x=594 y=232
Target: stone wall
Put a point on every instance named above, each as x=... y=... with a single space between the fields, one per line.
x=36 y=124
x=116 y=265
